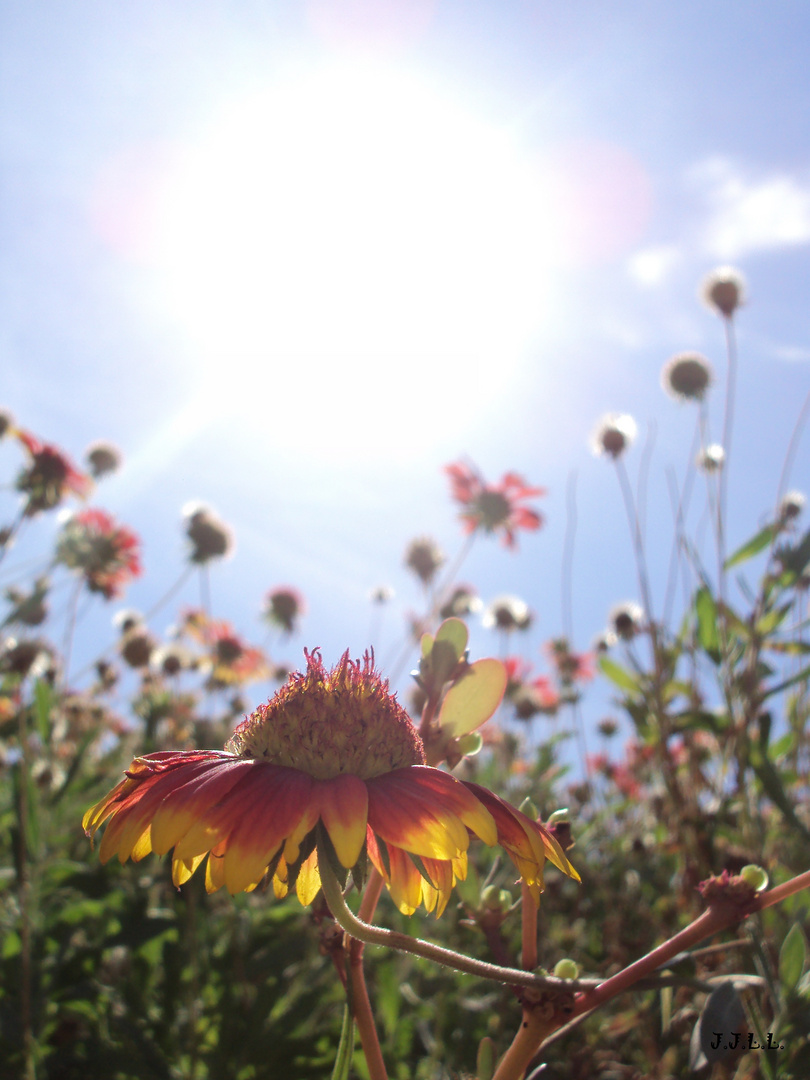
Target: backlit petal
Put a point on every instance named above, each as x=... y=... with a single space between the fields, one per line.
x=344 y=811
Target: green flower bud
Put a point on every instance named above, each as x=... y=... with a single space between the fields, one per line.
x=528 y=808
x=495 y=899
x=559 y=817
x=566 y=969
x=756 y=877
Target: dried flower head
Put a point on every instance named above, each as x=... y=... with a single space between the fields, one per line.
x=507 y=613
x=424 y=557
x=102 y=458
x=284 y=607
x=791 y=505
x=614 y=433
x=127 y=619
x=381 y=594
x=170 y=659
x=136 y=647
x=463 y=600
x=493 y=507
x=604 y=642
x=331 y=756
x=210 y=537
x=711 y=458
x=626 y=620
x=687 y=377
x=724 y=290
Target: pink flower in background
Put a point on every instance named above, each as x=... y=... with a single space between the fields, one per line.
x=493 y=507
x=105 y=553
x=50 y=475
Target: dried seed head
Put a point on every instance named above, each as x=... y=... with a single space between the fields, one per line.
x=687 y=377
x=711 y=458
x=614 y=433
x=724 y=290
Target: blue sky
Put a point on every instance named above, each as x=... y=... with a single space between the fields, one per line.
x=294 y=257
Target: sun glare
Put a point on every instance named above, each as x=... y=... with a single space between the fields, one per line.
x=355 y=224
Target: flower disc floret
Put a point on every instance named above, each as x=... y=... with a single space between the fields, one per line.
x=331 y=722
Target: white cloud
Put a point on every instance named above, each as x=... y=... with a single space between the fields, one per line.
x=650 y=266
x=792 y=353
x=747 y=215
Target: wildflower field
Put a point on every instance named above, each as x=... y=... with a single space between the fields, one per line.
x=448 y=882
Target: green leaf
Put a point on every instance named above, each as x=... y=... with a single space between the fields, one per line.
x=455 y=632
x=343 y=1060
x=43 y=700
x=473 y=697
x=441 y=655
x=752 y=547
x=708 y=635
x=792 y=958
x=772 y=619
x=618 y=675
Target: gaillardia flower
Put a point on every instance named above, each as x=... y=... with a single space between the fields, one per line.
x=493 y=507
x=106 y=554
x=332 y=751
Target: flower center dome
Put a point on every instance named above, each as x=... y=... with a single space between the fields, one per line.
x=326 y=723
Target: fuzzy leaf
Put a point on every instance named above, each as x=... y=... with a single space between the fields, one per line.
x=473 y=697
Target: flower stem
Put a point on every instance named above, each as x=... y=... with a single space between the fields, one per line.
x=360 y=1003
x=528 y=925
x=531 y=1034
x=393 y=939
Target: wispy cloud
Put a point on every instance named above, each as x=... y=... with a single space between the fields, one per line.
x=734 y=213
x=746 y=214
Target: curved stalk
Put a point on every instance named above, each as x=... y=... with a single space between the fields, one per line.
x=393 y=939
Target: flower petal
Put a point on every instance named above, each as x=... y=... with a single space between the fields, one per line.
x=309 y=879
x=344 y=811
x=279 y=797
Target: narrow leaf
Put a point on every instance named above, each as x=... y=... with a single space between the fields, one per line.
x=708 y=635
x=43 y=699
x=752 y=547
x=618 y=675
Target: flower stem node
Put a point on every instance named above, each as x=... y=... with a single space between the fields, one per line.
x=737 y=890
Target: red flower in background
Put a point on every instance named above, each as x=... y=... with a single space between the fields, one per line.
x=105 y=553
x=49 y=477
x=233 y=661
x=493 y=508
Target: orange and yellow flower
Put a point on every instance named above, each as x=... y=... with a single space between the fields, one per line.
x=332 y=750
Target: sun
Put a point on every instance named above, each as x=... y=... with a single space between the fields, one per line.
x=356 y=224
